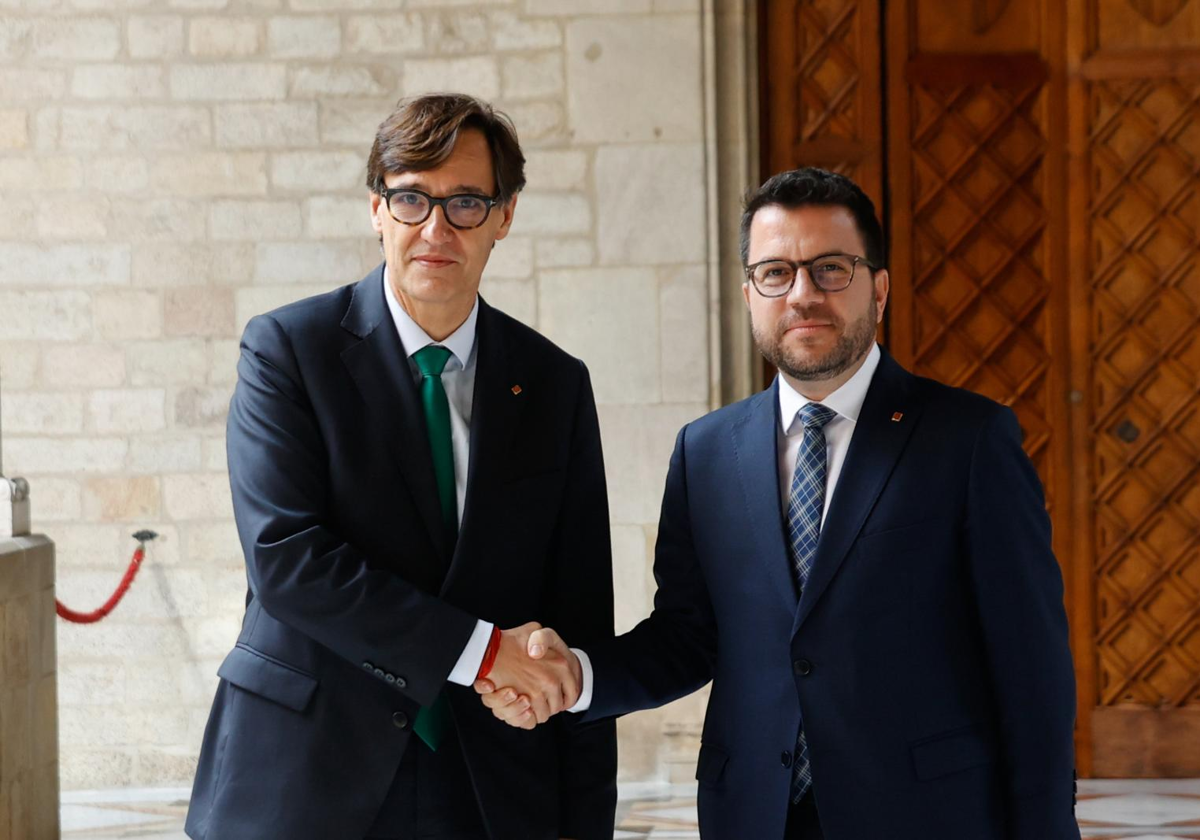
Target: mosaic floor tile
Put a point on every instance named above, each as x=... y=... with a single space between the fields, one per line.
x=1139 y=809
x=1109 y=809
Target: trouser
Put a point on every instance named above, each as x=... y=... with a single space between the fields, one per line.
x=431 y=797
x=803 y=822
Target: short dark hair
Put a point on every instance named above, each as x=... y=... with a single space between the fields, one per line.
x=811 y=186
x=420 y=134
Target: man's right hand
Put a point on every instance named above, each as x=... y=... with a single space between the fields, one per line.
x=538 y=676
x=543 y=661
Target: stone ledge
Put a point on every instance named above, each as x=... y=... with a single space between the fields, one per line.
x=28 y=688
x=22 y=543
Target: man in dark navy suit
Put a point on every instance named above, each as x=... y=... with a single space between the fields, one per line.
x=859 y=559
x=412 y=470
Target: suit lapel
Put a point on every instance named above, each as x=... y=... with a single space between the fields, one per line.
x=755 y=443
x=379 y=367
x=495 y=411
x=874 y=450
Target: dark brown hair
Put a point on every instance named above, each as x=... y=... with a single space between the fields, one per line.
x=812 y=186
x=421 y=132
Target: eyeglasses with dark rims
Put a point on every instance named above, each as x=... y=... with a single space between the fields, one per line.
x=463 y=210
x=829 y=273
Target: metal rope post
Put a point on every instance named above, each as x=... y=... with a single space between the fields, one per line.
x=14 y=502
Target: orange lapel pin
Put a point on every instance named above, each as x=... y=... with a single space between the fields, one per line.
x=516 y=389
x=898 y=416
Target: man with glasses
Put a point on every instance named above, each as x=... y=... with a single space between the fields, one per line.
x=859 y=559
x=417 y=478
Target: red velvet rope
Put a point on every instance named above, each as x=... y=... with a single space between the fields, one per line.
x=139 y=554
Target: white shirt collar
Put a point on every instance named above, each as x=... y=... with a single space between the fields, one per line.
x=847 y=400
x=461 y=342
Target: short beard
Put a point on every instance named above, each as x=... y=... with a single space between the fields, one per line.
x=853 y=344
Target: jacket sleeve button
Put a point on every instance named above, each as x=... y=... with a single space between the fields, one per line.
x=401 y=682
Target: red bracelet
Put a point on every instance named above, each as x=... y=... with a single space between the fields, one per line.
x=489 y=656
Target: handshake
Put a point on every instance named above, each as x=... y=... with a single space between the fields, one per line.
x=534 y=677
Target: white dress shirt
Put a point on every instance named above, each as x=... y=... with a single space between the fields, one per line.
x=847 y=401
x=458 y=379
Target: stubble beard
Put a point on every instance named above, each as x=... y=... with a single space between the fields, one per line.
x=854 y=343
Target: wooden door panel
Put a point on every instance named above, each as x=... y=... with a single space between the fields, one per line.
x=822 y=73
x=972 y=177
x=1122 y=24
x=1143 y=224
x=976 y=27
x=976 y=260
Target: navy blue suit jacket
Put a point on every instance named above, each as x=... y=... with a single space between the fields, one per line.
x=928 y=653
x=358 y=608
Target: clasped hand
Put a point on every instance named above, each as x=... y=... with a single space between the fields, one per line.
x=535 y=676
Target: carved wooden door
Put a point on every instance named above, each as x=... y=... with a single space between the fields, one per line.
x=1135 y=278
x=1041 y=189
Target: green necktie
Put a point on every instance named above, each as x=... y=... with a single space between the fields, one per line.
x=432 y=722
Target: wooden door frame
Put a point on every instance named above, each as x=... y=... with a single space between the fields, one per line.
x=1080 y=582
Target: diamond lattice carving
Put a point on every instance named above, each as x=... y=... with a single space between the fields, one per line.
x=1145 y=397
x=980 y=290
x=1158 y=12
x=827 y=70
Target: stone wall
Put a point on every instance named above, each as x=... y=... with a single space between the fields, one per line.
x=168 y=168
x=28 y=724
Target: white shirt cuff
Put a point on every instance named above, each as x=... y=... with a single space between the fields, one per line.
x=467 y=667
x=585 y=690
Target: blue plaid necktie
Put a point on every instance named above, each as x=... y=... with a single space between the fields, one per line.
x=806 y=502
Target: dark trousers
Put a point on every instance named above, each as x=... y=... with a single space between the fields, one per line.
x=803 y=822
x=431 y=797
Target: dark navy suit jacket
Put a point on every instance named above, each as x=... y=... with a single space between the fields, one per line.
x=358 y=608
x=928 y=653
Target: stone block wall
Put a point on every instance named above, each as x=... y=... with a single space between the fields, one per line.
x=169 y=168
x=28 y=719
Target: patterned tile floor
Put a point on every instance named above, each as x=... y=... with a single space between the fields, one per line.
x=1108 y=808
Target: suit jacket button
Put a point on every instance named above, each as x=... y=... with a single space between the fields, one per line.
x=400 y=720
x=786 y=759
x=379 y=672
x=389 y=678
x=368 y=666
x=802 y=667
x=401 y=682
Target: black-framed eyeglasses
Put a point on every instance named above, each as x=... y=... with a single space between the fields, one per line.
x=829 y=273
x=463 y=210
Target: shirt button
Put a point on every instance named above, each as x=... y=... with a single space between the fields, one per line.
x=400 y=720
x=786 y=759
x=802 y=667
